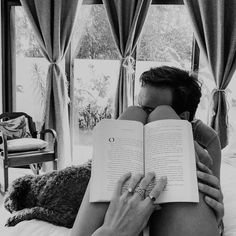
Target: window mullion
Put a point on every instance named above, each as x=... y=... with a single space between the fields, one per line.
x=69 y=71
x=134 y=55
x=195 y=56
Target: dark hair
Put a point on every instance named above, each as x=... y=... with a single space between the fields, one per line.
x=185 y=87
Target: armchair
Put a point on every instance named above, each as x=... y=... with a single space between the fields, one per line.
x=28 y=151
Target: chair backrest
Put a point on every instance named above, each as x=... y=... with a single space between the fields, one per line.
x=13 y=115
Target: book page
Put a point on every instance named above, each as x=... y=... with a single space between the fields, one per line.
x=169 y=151
x=118 y=149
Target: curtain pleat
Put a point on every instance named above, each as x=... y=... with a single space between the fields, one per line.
x=126 y=19
x=214 y=24
x=53 y=22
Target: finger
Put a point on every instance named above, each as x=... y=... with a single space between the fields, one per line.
x=204 y=168
x=211 y=192
x=208 y=179
x=147 y=180
x=217 y=207
x=156 y=191
x=203 y=155
x=134 y=182
x=143 y=185
x=120 y=183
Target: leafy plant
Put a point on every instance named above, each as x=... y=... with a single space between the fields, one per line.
x=39 y=84
x=89 y=116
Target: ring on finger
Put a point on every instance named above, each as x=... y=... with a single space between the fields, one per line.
x=152 y=198
x=140 y=191
x=130 y=190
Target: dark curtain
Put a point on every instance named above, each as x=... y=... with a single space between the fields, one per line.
x=214 y=23
x=53 y=21
x=126 y=18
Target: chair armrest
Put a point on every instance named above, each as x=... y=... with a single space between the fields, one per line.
x=53 y=133
x=4 y=144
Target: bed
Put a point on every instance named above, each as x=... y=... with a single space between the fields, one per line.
x=40 y=228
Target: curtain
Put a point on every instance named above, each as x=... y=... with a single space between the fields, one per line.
x=53 y=21
x=126 y=18
x=214 y=23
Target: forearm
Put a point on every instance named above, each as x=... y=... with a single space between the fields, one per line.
x=89 y=218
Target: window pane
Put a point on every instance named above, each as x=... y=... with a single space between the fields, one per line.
x=231 y=100
x=31 y=69
x=96 y=70
x=208 y=84
x=166 y=40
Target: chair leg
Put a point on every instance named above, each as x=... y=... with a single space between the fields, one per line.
x=5 y=172
x=55 y=165
x=35 y=168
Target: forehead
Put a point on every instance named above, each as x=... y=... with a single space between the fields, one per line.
x=150 y=96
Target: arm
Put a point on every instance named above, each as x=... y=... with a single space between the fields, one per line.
x=93 y=213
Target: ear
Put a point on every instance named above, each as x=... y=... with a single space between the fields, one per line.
x=184 y=115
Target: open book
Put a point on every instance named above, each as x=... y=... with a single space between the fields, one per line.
x=165 y=147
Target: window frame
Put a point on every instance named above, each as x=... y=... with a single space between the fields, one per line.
x=8 y=85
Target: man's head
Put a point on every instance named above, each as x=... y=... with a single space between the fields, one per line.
x=170 y=86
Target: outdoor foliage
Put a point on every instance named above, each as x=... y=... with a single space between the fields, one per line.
x=91 y=100
x=89 y=116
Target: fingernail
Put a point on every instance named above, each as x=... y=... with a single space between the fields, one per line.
x=164 y=178
x=207 y=198
x=151 y=173
x=200 y=184
x=199 y=163
x=199 y=173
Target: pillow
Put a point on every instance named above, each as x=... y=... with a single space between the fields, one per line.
x=25 y=144
x=15 y=128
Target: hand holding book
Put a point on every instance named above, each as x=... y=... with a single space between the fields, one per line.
x=129 y=211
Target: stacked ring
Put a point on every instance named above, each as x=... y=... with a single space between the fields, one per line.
x=140 y=191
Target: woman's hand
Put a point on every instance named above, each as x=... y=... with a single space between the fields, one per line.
x=202 y=155
x=210 y=186
x=129 y=212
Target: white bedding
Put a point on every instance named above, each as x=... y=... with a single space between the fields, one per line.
x=40 y=228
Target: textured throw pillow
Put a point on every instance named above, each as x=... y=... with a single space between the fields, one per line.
x=15 y=128
x=25 y=144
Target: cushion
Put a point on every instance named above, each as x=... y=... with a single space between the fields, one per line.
x=25 y=144
x=15 y=128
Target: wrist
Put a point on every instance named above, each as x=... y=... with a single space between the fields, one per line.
x=103 y=231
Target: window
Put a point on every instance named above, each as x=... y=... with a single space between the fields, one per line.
x=96 y=70
x=30 y=69
x=208 y=84
x=231 y=98
x=92 y=67
x=166 y=39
